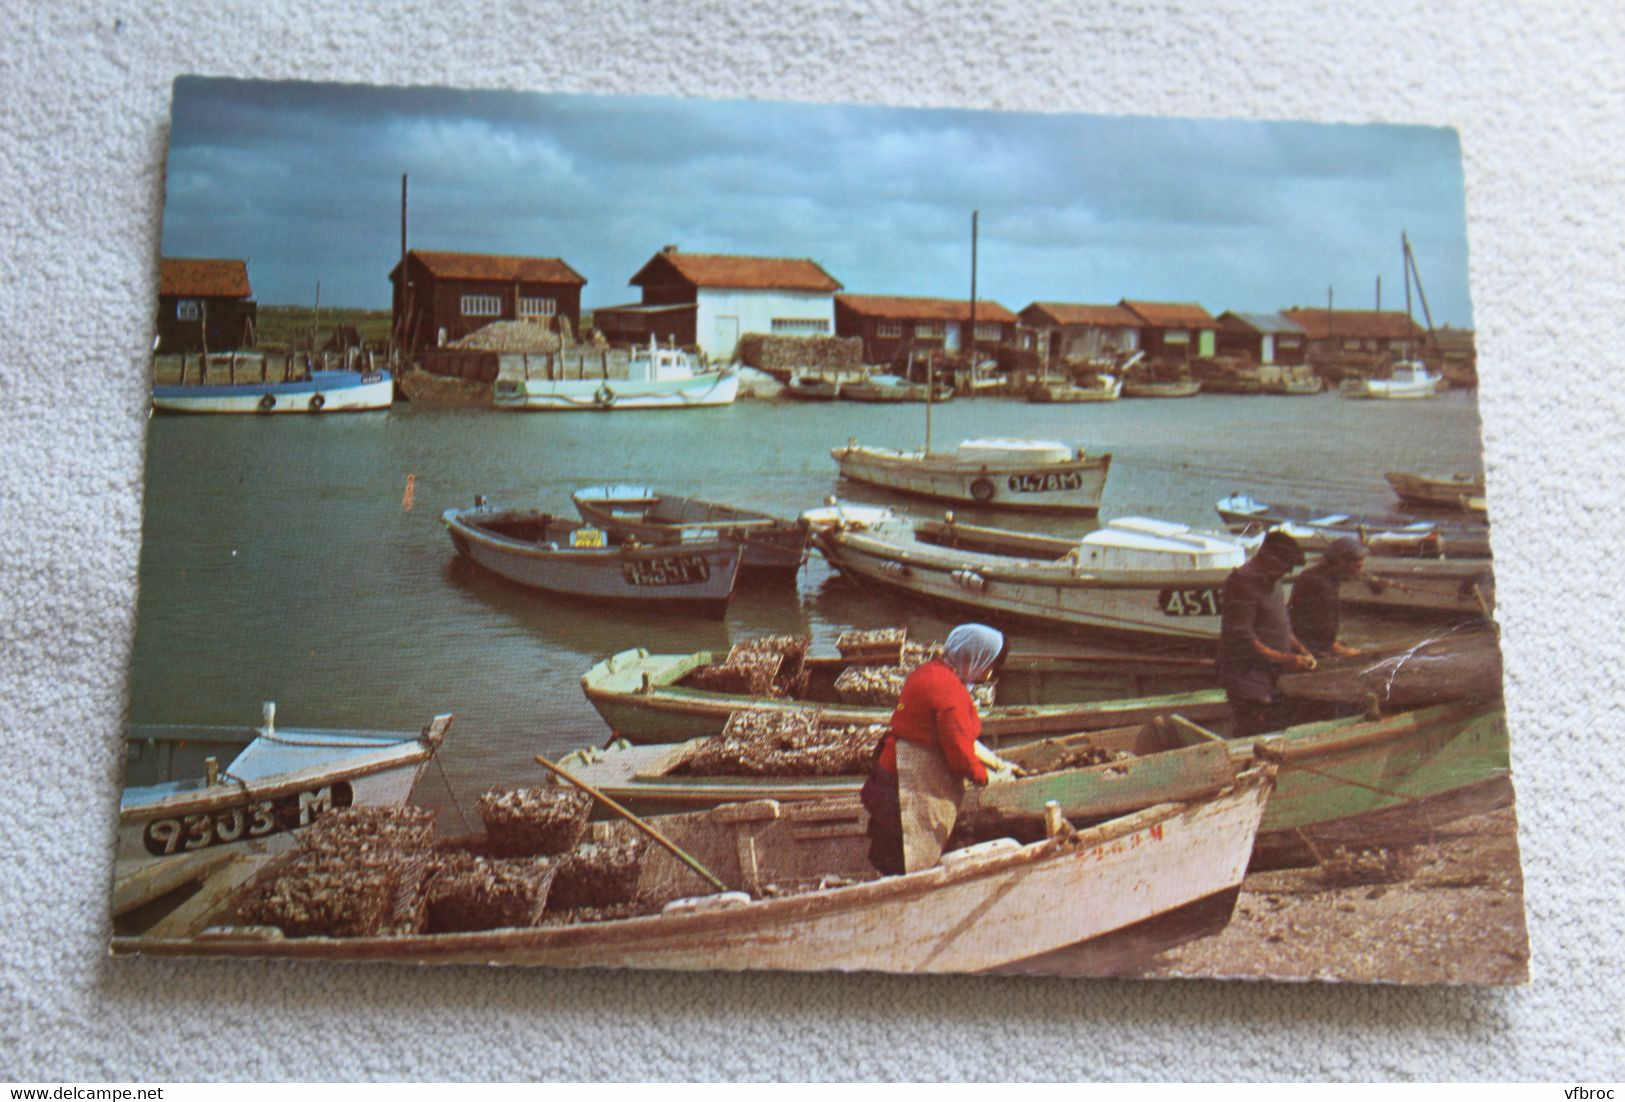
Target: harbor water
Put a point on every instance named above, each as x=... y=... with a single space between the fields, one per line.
x=302 y=559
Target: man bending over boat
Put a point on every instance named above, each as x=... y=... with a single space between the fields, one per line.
x=922 y=764
x=1256 y=644
x=1316 y=607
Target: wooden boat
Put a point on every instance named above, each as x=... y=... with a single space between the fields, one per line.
x=1385 y=535
x=318 y=392
x=1354 y=780
x=1106 y=388
x=1434 y=492
x=1290 y=382
x=280 y=780
x=894 y=388
x=812 y=388
x=984 y=906
x=1408 y=379
x=767 y=542
x=1152 y=388
x=657 y=378
x=695 y=574
x=1027 y=475
x=1134 y=576
x=644 y=699
x=1451 y=587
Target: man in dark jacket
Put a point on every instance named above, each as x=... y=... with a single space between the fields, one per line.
x=1256 y=643
x=1316 y=608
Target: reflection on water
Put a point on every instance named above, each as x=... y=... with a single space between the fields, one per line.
x=279 y=562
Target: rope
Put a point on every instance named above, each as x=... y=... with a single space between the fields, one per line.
x=445 y=780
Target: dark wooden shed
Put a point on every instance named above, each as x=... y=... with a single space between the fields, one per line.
x=445 y=296
x=204 y=304
x=891 y=325
x=1263 y=338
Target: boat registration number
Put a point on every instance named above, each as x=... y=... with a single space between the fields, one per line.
x=666 y=570
x=1191 y=602
x=372 y=377
x=255 y=819
x=1037 y=482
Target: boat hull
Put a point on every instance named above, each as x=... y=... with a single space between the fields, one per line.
x=976 y=911
x=601 y=395
x=326 y=392
x=1162 y=390
x=766 y=543
x=665 y=712
x=695 y=578
x=1074 y=487
x=1434 y=493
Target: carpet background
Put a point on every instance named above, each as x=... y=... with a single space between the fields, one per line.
x=1537 y=94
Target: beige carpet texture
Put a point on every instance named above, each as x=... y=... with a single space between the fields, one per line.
x=1536 y=94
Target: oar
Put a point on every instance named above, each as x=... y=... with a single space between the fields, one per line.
x=675 y=849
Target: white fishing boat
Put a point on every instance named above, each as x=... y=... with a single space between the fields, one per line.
x=1408 y=379
x=1028 y=475
x=693 y=572
x=280 y=781
x=1135 y=576
x=803 y=896
x=1101 y=388
x=1315 y=529
x=318 y=392
x=657 y=378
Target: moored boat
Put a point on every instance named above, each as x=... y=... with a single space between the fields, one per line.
x=1135 y=576
x=894 y=388
x=982 y=907
x=1358 y=780
x=317 y=392
x=1407 y=379
x=1384 y=535
x=650 y=698
x=1153 y=388
x=695 y=573
x=767 y=542
x=1026 y=475
x=657 y=378
x=1455 y=491
x=1103 y=388
x=812 y=388
x=280 y=780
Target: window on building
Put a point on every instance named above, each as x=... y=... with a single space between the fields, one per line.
x=481 y=306
x=188 y=309
x=800 y=326
x=535 y=307
x=929 y=330
x=1287 y=342
x=1177 y=336
x=1351 y=346
x=889 y=330
x=1398 y=346
x=989 y=331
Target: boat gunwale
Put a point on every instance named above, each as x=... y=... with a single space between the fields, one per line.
x=949 y=463
x=595 y=556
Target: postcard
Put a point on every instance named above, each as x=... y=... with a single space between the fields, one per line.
x=634 y=532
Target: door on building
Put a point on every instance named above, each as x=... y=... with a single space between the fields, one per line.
x=1269 y=348
x=727 y=341
x=950 y=337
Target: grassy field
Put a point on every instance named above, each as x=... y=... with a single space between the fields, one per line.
x=284 y=326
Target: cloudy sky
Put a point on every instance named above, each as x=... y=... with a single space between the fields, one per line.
x=303 y=180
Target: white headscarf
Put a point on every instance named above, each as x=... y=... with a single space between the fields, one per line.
x=971 y=650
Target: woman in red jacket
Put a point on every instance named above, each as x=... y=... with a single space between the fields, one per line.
x=921 y=765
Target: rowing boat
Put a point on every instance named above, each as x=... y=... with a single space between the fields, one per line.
x=1315 y=528
x=804 y=897
x=1457 y=491
x=1026 y=475
x=643 y=697
x=639 y=512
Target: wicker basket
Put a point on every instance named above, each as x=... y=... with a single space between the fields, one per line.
x=526 y=822
x=598 y=874
x=477 y=893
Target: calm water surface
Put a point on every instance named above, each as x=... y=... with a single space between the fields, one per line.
x=279 y=561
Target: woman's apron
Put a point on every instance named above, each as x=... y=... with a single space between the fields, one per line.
x=928 y=797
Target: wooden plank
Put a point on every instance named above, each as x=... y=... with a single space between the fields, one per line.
x=192 y=916
x=144 y=884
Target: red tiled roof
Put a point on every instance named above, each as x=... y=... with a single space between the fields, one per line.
x=907 y=308
x=203 y=278
x=1074 y=313
x=1171 y=315
x=507 y=269
x=746 y=272
x=1364 y=324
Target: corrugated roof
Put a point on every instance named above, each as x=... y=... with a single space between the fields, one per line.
x=745 y=272
x=1361 y=324
x=506 y=269
x=188 y=278
x=1171 y=315
x=1077 y=313
x=1263 y=323
x=908 y=308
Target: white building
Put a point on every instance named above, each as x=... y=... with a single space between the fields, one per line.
x=710 y=301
